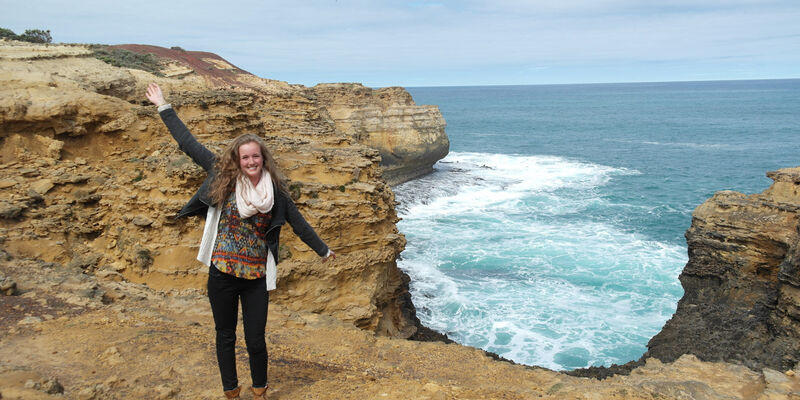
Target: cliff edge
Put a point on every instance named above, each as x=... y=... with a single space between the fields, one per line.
x=91 y=178
x=742 y=281
x=410 y=138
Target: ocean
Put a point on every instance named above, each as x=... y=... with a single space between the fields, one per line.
x=552 y=234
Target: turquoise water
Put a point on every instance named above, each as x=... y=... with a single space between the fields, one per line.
x=553 y=232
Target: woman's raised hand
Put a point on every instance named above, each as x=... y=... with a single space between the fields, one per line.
x=155 y=95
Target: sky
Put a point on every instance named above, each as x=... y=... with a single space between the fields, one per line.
x=448 y=43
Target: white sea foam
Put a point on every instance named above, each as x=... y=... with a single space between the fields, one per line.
x=679 y=144
x=470 y=182
x=503 y=256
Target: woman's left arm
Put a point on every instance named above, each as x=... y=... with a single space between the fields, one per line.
x=305 y=232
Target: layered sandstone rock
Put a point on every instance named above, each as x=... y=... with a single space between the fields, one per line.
x=91 y=178
x=742 y=281
x=410 y=138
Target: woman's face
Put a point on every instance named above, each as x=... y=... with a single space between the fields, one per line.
x=251 y=161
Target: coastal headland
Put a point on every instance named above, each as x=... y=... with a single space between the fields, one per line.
x=103 y=299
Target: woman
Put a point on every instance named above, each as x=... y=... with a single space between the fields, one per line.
x=246 y=203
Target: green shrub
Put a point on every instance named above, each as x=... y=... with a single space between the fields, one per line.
x=294 y=191
x=555 y=388
x=36 y=36
x=127 y=59
x=143 y=258
x=284 y=252
x=30 y=35
x=7 y=33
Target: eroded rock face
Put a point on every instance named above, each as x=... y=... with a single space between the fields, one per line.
x=91 y=179
x=742 y=281
x=410 y=138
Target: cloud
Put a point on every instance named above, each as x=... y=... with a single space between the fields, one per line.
x=395 y=42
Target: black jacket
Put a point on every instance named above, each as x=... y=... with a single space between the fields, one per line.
x=283 y=210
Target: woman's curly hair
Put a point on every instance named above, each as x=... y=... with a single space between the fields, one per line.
x=228 y=170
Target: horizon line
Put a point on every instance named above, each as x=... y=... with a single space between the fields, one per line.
x=592 y=83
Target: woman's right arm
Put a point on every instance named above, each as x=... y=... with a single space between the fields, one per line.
x=186 y=141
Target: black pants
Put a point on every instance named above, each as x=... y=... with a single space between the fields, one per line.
x=224 y=292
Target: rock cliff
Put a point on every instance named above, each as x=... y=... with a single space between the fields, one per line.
x=91 y=178
x=742 y=281
x=410 y=138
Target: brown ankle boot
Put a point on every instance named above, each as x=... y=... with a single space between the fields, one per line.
x=259 y=393
x=233 y=394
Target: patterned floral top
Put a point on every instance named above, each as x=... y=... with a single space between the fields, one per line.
x=241 y=245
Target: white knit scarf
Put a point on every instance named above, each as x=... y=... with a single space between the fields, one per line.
x=253 y=199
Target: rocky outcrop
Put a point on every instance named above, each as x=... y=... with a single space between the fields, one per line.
x=742 y=281
x=410 y=138
x=91 y=179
